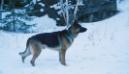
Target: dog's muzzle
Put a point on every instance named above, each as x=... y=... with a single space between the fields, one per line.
x=83 y=29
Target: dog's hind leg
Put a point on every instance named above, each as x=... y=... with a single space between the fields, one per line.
x=24 y=54
x=36 y=52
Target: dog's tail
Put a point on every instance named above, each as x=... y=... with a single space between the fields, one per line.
x=27 y=45
x=27 y=52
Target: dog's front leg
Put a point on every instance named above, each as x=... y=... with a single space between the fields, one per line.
x=62 y=53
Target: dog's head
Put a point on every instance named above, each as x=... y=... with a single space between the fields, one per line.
x=76 y=28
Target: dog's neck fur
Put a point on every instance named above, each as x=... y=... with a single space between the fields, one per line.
x=72 y=33
x=70 y=36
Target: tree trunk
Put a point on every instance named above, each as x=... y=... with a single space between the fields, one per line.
x=1 y=9
x=12 y=4
x=67 y=14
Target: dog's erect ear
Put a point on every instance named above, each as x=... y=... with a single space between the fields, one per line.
x=75 y=22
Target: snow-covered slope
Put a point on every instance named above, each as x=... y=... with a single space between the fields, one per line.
x=103 y=49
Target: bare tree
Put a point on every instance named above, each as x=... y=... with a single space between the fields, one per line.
x=66 y=8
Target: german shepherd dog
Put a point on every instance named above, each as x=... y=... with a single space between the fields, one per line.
x=59 y=41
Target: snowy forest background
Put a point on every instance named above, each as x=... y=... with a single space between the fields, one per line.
x=103 y=49
x=17 y=15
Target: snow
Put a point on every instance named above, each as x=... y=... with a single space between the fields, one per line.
x=123 y=5
x=46 y=24
x=34 y=1
x=103 y=49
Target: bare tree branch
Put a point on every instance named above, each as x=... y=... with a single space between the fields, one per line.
x=76 y=10
x=65 y=7
x=67 y=14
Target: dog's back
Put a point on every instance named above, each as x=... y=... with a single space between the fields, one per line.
x=48 y=39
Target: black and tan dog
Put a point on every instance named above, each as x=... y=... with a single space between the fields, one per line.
x=59 y=41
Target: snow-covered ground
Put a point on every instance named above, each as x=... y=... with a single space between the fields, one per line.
x=103 y=49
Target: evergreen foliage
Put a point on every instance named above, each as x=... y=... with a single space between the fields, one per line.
x=17 y=19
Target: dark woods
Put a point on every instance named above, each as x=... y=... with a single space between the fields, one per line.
x=14 y=12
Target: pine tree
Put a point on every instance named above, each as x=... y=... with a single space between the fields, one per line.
x=17 y=19
x=1 y=10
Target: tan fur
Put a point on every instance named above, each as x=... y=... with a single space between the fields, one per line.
x=62 y=51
